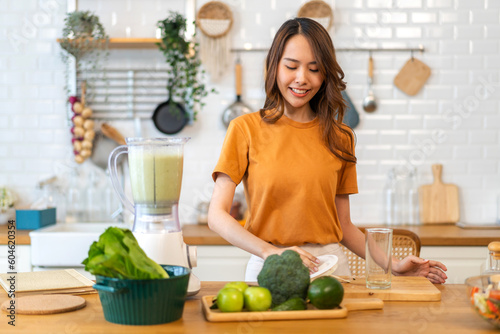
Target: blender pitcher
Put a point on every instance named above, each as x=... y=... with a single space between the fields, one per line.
x=155 y=167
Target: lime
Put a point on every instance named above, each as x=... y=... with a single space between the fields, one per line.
x=325 y=292
x=230 y=300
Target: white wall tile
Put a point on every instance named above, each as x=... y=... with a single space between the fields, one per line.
x=439 y=3
x=486 y=16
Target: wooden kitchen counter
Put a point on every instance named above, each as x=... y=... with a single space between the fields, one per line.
x=451 y=315
x=430 y=235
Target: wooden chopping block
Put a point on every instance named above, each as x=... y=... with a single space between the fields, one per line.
x=412 y=76
x=438 y=201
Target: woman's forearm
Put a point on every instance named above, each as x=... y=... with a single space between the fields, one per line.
x=231 y=230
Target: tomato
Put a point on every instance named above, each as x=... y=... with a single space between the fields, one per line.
x=257 y=298
x=230 y=300
x=242 y=286
x=325 y=292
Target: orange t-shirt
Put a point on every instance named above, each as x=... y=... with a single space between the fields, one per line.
x=290 y=178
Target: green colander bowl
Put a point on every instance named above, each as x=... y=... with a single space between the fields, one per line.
x=144 y=302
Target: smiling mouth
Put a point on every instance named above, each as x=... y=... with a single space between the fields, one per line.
x=299 y=92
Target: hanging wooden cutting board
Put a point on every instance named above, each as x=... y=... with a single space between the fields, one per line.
x=438 y=201
x=412 y=76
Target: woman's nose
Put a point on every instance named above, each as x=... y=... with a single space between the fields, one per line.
x=300 y=76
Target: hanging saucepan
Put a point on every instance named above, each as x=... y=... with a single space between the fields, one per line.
x=238 y=107
x=170 y=117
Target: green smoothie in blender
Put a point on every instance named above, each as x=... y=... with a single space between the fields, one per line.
x=155 y=178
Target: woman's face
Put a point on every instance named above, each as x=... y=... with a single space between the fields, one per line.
x=298 y=76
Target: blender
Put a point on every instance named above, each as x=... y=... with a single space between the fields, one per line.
x=155 y=167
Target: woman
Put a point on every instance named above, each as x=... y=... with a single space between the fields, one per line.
x=296 y=160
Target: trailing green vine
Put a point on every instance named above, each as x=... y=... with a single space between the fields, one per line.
x=185 y=76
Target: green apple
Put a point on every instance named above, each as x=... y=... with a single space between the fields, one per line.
x=230 y=300
x=242 y=286
x=257 y=298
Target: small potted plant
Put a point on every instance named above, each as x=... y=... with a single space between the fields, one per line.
x=185 y=77
x=7 y=201
x=84 y=38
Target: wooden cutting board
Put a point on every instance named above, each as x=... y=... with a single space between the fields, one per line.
x=412 y=76
x=403 y=288
x=438 y=201
x=347 y=305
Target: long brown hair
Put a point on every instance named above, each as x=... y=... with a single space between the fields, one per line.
x=327 y=104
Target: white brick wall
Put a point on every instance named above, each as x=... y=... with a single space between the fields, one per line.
x=454 y=120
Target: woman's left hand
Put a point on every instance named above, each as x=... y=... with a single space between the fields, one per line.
x=415 y=266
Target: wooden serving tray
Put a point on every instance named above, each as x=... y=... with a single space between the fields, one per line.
x=403 y=288
x=311 y=313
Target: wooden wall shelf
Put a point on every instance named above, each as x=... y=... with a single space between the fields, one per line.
x=131 y=43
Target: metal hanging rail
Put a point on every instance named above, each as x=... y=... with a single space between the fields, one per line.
x=420 y=48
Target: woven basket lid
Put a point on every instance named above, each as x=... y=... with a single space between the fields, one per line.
x=319 y=11
x=214 y=19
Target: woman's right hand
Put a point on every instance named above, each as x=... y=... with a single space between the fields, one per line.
x=309 y=260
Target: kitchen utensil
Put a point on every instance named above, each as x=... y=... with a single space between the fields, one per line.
x=144 y=301
x=107 y=138
x=319 y=11
x=412 y=76
x=156 y=167
x=170 y=117
x=403 y=288
x=438 y=201
x=238 y=108
x=483 y=292
x=44 y=304
x=378 y=258
x=369 y=103
x=351 y=116
x=215 y=19
x=346 y=306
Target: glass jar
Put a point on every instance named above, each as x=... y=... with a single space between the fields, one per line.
x=493 y=262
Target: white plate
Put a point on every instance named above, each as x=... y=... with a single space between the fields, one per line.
x=327 y=263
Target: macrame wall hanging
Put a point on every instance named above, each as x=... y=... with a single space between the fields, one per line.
x=319 y=11
x=214 y=19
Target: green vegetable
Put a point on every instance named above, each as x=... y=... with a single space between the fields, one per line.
x=292 y=304
x=285 y=276
x=117 y=254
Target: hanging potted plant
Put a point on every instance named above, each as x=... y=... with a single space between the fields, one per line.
x=185 y=86
x=85 y=39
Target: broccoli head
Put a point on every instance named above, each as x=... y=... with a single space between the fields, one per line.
x=285 y=276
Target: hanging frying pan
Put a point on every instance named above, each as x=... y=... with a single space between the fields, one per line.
x=238 y=108
x=351 y=116
x=170 y=117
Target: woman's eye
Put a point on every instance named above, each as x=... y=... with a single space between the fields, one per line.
x=290 y=67
x=314 y=71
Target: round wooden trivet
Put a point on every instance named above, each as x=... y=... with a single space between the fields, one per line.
x=45 y=304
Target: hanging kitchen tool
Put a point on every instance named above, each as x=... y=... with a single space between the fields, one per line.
x=351 y=116
x=238 y=108
x=170 y=117
x=215 y=19
x=369 y=103
x=412 y=76
x=107 y=138
x=319 y=11
x=438 y=201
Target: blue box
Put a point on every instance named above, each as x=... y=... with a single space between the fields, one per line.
x=30 y=219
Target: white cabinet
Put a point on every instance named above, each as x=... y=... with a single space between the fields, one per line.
x=461 y=261
x=22 y=258
x=221 y=263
